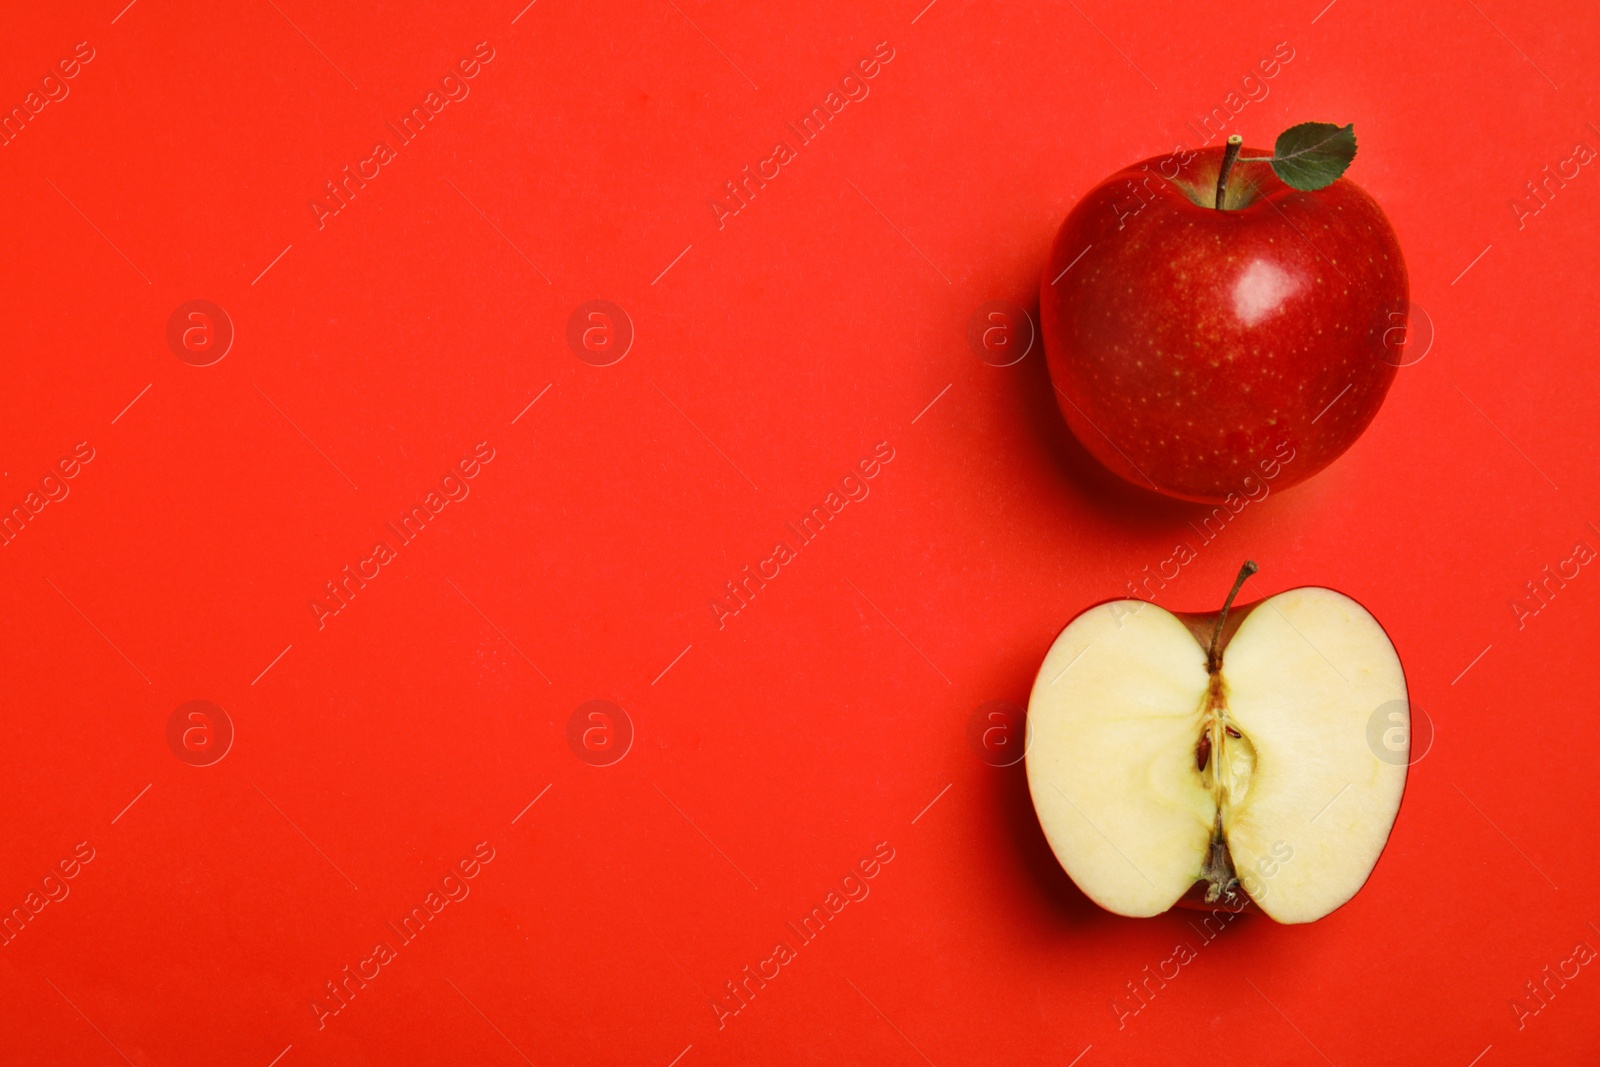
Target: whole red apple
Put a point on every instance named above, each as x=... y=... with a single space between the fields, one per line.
x=1197 y=350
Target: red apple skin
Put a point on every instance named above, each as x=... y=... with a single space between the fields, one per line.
x=1200 y=352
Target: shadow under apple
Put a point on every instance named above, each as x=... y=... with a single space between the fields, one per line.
x=1056 y=894
x=1135 y=508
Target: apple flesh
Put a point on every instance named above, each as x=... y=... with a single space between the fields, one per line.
x=1153 y=773
x=1189 y=345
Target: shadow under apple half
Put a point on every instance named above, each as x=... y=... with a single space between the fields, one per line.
x=1226 y=754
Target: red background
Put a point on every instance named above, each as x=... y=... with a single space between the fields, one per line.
x=823 y=718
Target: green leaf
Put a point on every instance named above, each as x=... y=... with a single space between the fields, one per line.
x=1313 y=154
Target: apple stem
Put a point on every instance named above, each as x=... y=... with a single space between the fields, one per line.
x=1213 y=659
x=1229 y=155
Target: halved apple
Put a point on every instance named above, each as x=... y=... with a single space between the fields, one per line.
x=1171 y=752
